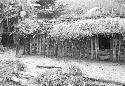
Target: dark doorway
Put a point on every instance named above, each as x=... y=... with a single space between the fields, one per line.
x=104 y=42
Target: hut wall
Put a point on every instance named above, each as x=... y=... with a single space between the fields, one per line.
x=75 y=48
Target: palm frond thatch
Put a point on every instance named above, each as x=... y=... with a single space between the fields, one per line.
x=88 y=27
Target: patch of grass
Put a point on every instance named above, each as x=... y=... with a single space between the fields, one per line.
x=9 y=69
x=70 y=76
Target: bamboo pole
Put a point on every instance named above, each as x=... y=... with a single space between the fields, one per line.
x=30 y=44
x=59 y=49
x=111 y=48
x=40 y=46
x=56 y=49
x=80 y=50
x=92 y=48
x=72 y=48
x=114 y=48
x=63 y=53
x=96 y=46
x=24 y=45
x=43 y=44
x=37 y=44
x=119 y=48
x=47 y=48
x=66 y=49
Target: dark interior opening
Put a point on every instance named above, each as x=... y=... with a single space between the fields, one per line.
x=104 y=42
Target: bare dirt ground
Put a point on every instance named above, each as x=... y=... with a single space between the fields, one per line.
x=93 y=69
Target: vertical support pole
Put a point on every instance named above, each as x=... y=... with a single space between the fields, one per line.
x=80 y=49
x=59 y=48
x=63 y=53
x=40 y=45
x=30 y=44
x=47 y=48
x=66 y=47
x=119 y=48
x=43 y=44
x=111 y=48
x=114 y=48
x=96 y=46
x=72 y=48
x=56 y=48
x=37 y=44
x=24 y=45
x=92 y=48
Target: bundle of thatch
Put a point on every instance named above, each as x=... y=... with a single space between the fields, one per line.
x=88 y=27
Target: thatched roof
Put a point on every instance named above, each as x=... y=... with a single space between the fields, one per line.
x=31 y=26
x=88 y=27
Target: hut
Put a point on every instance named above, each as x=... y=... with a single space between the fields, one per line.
x=100 y=38
x=94 y=36
x=105 y=35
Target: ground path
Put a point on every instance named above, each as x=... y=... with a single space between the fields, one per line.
x=93 y=69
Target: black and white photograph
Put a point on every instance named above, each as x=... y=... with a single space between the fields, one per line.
x=62 y=42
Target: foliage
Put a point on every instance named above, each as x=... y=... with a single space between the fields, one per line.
x=7 y=70
x=46 y=3
x=58 y=77
x=10 y=69
x=70 y=76
x=32 y=26
x=80 y=7
x=88 y=27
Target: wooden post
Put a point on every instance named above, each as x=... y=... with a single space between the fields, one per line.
x=111 y=48
x=30 y=44
x=80 y=49
x=96 y=46
x=72 y=48
x=119 y=48
x=47 y=48
x=63 y=53
x=114 y=48
x=92 y=48
x=66 y=48
x=56 y=48
x=40 y=45
x=37 y=44
x=43 y=44
x=60 y=48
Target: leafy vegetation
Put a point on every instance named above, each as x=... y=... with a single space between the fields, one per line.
x=71 y=76
x=9 y=69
